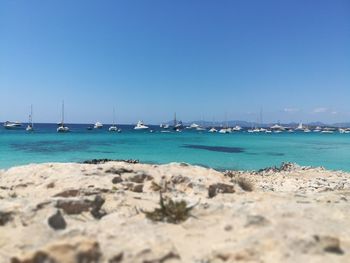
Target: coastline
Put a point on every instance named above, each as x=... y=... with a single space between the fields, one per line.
x=289 y=214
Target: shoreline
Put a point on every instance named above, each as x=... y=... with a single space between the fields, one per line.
x=103 y=212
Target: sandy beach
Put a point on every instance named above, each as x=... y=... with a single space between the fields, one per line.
x=89 y=213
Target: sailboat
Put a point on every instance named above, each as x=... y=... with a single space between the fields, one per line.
x=30 y=126
x=114 y=128
x=61 y=127
x=225 y=129
x=178 y=126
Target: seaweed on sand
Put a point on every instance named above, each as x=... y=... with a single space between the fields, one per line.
x=170 y=211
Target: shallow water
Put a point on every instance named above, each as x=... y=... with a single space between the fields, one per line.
x=243 y=151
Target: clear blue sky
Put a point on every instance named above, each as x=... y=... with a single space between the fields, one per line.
x=199 y=58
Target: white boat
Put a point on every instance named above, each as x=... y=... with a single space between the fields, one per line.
x=237 y=128
x=178 y=125
x=277 y=127
x=61 y=127
x=98 y=125
x=30 y=126
x=318 y=129
x=344 y=130
x=140 y=126
x=327 y=131
x=193 y=126
x=12 y=125
x=164 y=126
x=307 y=130
x=225 y=130
x=300 y=127
x=114 y=127
x=213 y=130
x=200 y=128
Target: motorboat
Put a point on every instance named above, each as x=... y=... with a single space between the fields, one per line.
x=140 y=126
x=237 y=128
x=12 y=125
x=277 y=128
x=193 y=126
x=225 y=130
x=199 y=128
x=98 y=125
x=318 y=129
x=213 y=130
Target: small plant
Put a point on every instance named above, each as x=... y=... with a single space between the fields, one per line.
x=162 y=187
x=170 y=211
x=245 y=184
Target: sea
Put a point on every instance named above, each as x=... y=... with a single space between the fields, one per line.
x=234 y=151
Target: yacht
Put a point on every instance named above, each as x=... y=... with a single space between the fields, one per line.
x=213 y=130
x=237 y=128
x=98 y=125
x=30 y=126
x=225 y=130
x=193 y=126
x=12 y=125
x=277 y=128
x=199 y=128
x=318 y=129
x=61 y=127
x=328 y=130
x=140 y=126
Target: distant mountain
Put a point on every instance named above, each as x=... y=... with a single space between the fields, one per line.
x=247 y=124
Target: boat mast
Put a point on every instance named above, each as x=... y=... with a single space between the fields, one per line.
x=62 y=122
x=175 y=122
x=31 y=115
x=113 y=116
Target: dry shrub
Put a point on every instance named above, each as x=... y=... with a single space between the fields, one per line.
x=170 y=211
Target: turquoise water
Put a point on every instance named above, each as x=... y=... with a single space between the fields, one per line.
x=241 y=151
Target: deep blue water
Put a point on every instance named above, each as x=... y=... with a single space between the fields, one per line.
x=221 y=151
